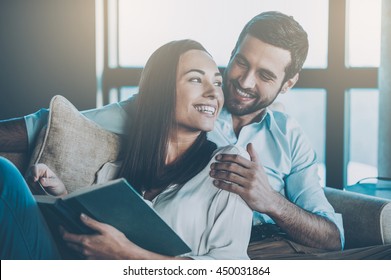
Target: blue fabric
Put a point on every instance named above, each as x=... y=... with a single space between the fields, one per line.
x=34 y=123
x=23 y=231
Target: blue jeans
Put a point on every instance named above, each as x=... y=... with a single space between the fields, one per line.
x=24 y=233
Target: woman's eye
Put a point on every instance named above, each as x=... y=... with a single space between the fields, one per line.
x=195 y=80
x=218 y=83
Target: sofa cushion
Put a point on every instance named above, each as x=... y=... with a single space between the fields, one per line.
x=74 y=147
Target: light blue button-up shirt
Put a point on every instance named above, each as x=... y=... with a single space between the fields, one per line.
x=284 y=151
x=288 y=158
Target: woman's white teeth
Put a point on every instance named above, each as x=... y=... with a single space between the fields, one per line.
x=205 y=109
x=243 y=94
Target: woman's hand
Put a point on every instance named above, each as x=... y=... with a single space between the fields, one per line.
x=41 y=173
x=107 y=243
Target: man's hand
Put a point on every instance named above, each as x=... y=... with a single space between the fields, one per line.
x=244 y=177
x=41 y=174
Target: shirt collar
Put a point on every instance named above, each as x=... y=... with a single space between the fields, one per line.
x=268 y=117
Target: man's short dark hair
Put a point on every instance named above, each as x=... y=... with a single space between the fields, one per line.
x=282 y=31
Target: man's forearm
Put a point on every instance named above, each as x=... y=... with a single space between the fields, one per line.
x=306 y=228
x=13 y=135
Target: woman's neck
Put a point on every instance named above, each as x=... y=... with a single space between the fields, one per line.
x=178 y=144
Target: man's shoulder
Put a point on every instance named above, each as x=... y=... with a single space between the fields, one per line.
x=284 y=122
x=129 y=105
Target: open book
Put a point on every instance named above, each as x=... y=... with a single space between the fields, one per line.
x=118 y=204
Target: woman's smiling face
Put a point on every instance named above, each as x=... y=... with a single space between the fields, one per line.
x=199 y=95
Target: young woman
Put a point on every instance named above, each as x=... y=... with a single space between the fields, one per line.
x=168 y=161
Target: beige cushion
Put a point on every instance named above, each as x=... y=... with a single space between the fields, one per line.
x=74 y=147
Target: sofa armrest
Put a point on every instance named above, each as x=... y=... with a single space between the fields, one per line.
x=366 y=219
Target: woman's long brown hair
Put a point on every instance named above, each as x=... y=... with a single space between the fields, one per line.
x=144 y=165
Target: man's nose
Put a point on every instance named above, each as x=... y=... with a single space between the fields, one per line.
x=247 y=81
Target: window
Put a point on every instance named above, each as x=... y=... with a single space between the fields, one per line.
x=141 y=30
x=363 y=31
x=363 y=50
x=343 y=58
x=363 y=134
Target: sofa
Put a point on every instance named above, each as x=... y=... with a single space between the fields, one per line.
x=367 y=219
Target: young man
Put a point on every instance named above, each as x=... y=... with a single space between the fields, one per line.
x=280 y=182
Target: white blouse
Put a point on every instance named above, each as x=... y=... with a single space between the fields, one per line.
x=214 y=223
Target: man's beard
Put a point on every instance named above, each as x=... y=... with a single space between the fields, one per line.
x=235 y=108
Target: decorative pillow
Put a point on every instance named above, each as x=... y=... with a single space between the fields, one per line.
x=74 y=147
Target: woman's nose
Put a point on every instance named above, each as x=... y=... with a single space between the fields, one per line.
x=212 y=91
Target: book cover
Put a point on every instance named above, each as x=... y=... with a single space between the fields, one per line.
x=118 y=204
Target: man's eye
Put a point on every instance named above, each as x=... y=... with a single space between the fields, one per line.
x=265 y=77
x=241 y=62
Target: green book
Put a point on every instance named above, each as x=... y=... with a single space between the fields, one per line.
x=118 y=204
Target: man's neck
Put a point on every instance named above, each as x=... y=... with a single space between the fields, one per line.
x=239 y=122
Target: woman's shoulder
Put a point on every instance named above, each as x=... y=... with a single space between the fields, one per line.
x=233 y=150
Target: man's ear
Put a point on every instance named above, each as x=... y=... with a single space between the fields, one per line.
x=290 y=83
